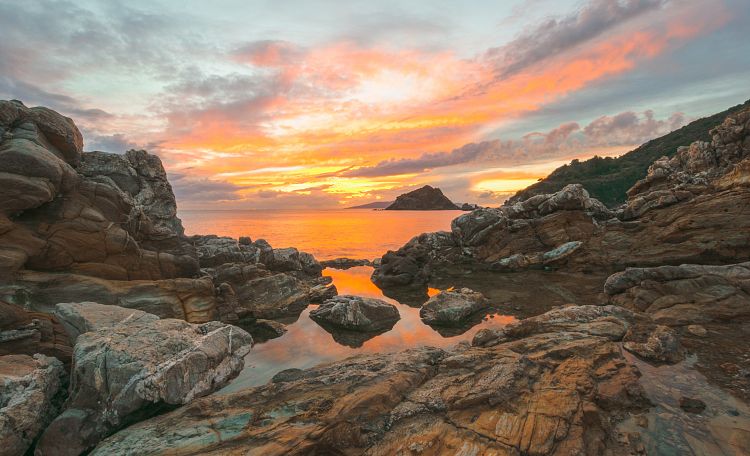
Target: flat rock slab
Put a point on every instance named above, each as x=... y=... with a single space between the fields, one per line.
x=123 y=373
x=82 y=317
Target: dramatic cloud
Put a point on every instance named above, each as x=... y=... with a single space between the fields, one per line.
x=624 y=129
x=557 y=35
x=334 y=104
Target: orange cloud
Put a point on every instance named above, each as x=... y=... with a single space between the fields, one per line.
x=342 y=106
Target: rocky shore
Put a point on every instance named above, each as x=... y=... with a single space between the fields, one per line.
x=117 y=330
x=101 y=290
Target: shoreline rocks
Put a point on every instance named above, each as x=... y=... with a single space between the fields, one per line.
x=570 y=387
x=123 y=373
x=345 y=263
x=452 y=307
x=684 y=295
x=356 y=313
x=672 y=216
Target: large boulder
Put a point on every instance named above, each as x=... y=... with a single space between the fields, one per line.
x=31 y=393
x=452 y=307
x=548 y=393
x=141 y=178
x=356 y=313
x=38 y=152
x=124 y=373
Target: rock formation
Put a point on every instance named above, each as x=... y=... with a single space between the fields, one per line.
x=345 y=263
x=452 y=307
x=82 y=317
x=673 y=216
x=92 y=253
x=684 y=295
x=356 y=313
x=31 y=393
x=123 y=373
x=105 y=215
x=558 y=392
x=29 y=333
x=422 y=199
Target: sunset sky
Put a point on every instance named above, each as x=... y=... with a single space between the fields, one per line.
x=303 y=104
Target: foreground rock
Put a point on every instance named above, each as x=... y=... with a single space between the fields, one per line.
x=356 y=313
x=686 y=294
x=451 y=308
x=547 y=393
x=124 y=373
x=423 y=199
x=31 y=393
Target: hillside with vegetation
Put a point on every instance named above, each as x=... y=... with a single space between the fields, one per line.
x=607 y=178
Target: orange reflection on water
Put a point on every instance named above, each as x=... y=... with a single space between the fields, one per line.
x=307 y=344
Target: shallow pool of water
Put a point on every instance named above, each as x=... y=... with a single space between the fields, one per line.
x=307 y=344
x=723 y=428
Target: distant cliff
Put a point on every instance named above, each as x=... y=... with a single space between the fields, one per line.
x=607 y=179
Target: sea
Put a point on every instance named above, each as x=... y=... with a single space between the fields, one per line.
x=329 y=234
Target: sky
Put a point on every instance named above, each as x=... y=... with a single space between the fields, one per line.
x=326 y=104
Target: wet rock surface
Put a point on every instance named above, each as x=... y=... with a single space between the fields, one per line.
x=452 y=307
x=547 y=393
x=356 y=313
x=31 y=393
x=126 y=372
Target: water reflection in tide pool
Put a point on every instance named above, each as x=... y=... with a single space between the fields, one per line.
x=306 y=344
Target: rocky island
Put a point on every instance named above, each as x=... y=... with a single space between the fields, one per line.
x=422 y=199
x=117 y=330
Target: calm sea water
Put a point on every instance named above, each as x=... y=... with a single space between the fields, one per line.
x=306 y=343
x=353 y=233
x=327 y=234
